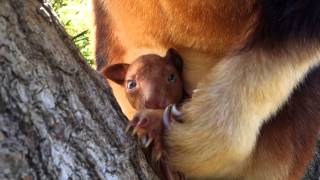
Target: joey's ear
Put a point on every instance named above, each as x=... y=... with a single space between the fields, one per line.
x=116 y=72
x=174 y=58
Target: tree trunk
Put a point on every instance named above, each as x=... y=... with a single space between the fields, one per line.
x=58 y=118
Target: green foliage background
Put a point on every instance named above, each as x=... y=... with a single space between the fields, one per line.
x=75 y=15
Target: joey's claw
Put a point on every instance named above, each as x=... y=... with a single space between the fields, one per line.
x=148 y=143
x=134 y=132
x=159 y=149
x=149 y=127
x=129 y=126
x=175 y=112
x=166 y=119
x=144 y=140
x=158 y=156
x=169 y=112
x=142 y=123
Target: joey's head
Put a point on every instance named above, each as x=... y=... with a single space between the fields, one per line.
x=151 y=81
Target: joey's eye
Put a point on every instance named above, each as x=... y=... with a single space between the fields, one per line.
x=172 y=78
x=131 y=84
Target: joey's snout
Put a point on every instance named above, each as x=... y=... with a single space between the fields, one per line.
x=155 y=99
x=152 y=104
x=156 y=103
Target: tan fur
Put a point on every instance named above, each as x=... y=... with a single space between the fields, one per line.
x=258 y=83
x=236 y=94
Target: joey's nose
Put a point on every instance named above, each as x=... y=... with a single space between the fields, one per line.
x=157 y=103
x=152 y=104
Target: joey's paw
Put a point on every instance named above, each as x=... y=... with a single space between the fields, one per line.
x=148 y=126
x=171 y=113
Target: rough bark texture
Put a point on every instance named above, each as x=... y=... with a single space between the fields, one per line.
x=58 y=119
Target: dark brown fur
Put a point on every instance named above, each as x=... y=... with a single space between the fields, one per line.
x=291 y=135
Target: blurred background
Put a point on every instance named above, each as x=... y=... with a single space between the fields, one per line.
x=75 y=16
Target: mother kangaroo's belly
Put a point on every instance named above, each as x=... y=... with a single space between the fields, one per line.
x=201 y=30
x=201 y=25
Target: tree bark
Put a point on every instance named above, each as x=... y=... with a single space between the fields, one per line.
x=58 y=117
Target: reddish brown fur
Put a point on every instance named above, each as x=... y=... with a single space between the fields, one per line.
x=151 y=75
x=104 y=36
x=231 y=32
x=157 y=84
